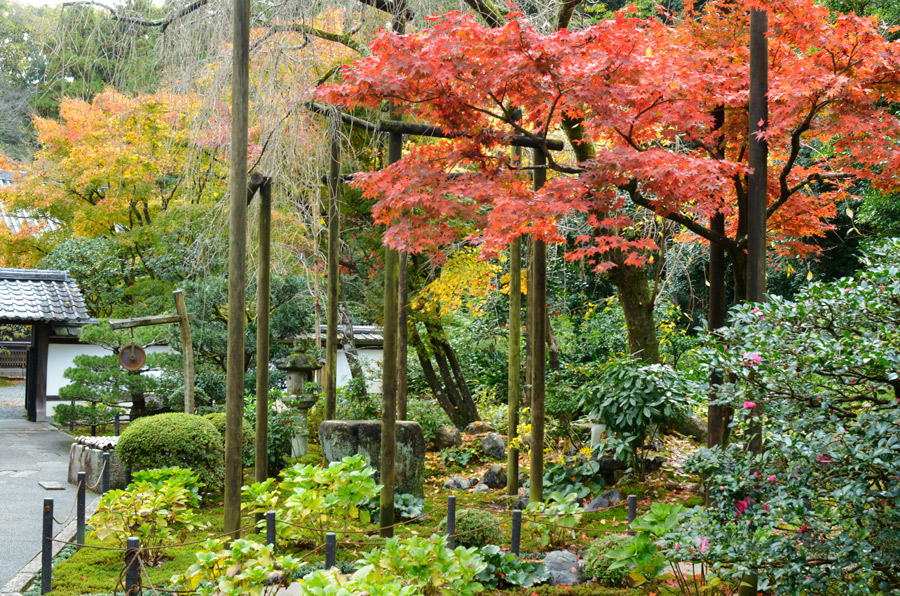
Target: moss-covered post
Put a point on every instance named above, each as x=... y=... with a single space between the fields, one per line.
x=332 y=271
x=537 y=344
x=261 y=462
x=515 y=364
x=402 y=343
x=515 y=353
x=237 y=257
x=389 y=370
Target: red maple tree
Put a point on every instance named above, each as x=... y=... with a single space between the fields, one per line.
x=656 y=113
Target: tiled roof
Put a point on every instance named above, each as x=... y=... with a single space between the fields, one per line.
x=363 y=335
x=37 y=295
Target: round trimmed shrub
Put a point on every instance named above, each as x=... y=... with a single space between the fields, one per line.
x=596 y=564
x=475 y=528
x=249 y=446
x=177 y=439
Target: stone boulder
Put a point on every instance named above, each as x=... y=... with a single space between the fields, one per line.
x=690 y=427
x=652 y=464
x=342 y=438
x=495 y=477
x=521 y=503
x=605 y=500
x=493 y=446
x=564 y=568
x=481 y=488
x=608 y=468
x=447 y=436
x=457 y=483
x=478 y=427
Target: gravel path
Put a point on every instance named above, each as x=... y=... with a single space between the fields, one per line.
x=12 y=401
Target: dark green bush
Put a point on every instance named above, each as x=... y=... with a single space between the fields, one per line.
x=249 y=431
x=596 y=564
x=81 y=414
x=475 y=528
x=183 y=440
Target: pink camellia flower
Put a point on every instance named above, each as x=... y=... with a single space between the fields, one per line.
x=766 y=507
x=749 y=405
x=772 y=478
x=741 y=507
x=752 y=358
x=703 y=543
x=755 y=311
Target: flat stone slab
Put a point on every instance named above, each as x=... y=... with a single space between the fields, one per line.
x=48 y=485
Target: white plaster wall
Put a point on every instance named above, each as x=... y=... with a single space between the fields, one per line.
x=371 y=359
x=61 y=356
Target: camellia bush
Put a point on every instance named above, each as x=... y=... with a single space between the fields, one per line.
x=817 y=511
x=632 y=399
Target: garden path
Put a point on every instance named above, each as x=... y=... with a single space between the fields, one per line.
x=30 y=453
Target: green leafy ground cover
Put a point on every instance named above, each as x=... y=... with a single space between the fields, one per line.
x=98 y=570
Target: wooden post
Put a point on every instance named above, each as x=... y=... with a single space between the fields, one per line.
x=389 y=376
x=538 y=347
x=263 y=284
x=715 y=414
x=41 y=346
x=757 y=203
x=515 y=364
x=402 y=343
x=237 y=257
x=187 y=351
x=333 y=273
x=515 y=353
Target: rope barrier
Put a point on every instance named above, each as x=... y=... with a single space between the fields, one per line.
x=74 y=502
x=99 y=477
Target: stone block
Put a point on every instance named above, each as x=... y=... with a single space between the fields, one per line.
x=342 y=438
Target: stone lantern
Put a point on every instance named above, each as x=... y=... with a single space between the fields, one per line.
x=300 y=369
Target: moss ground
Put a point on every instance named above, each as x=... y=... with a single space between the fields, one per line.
x=96 y=571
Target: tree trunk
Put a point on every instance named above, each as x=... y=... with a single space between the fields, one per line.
x=349 y=345
x=455 y=385
x=455 y=415
x=636 y=298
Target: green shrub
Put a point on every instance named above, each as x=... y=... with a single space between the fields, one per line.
x=242 y=567
x=475 y=528
x=183 y=440
x=81 y=414
x=311 y=499
x=425 y=563
x=506 y=569
x=158 y=515
x=429 y=415
x=157 y=477
x=596 y=561
x=249 y=432
x=281 y=430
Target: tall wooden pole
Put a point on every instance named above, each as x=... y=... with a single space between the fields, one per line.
x=389 y=371
x=187 y=351
x=237 y=257
x=402 y=344
x=715 y=414
x=334 y=244
x=537 y=337
x=757 y=195
x=515 y=364
x=515 y=354
x=757 y=203
x=263 y=285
